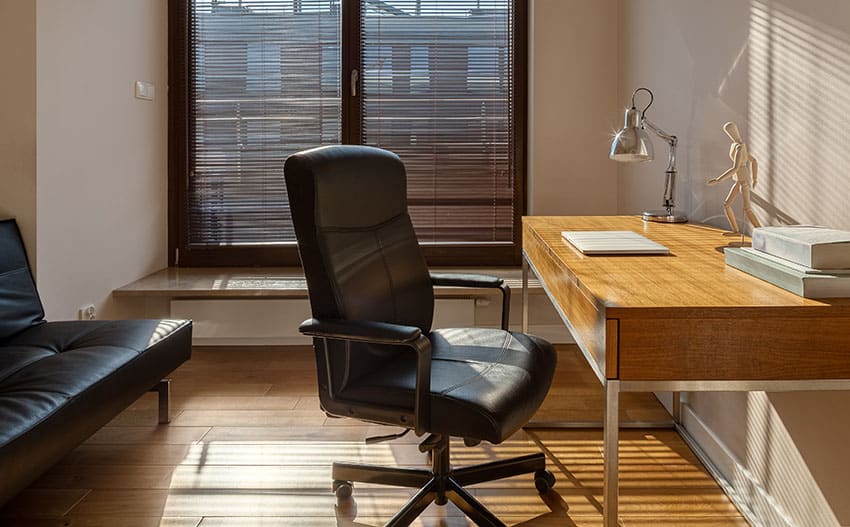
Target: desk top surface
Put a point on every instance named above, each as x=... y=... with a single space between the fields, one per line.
x=694 y=275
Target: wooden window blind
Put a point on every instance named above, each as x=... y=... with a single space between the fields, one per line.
x=265 y=84
x=439 y=82
x=438 y=91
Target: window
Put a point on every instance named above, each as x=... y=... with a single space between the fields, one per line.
x=439 y=82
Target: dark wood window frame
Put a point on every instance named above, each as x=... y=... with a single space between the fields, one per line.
x=179 y=135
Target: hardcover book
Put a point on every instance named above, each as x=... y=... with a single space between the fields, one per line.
x=815 y=247
x=789 y=276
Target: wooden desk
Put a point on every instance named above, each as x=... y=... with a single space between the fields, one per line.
x=682 y=322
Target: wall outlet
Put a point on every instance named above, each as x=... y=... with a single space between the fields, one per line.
x=87 y=312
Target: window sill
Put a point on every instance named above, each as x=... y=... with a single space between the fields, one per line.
x=278 y=282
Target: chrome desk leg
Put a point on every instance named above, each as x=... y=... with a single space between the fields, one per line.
x=610 y=484
x=677 y=408
x=524 y=294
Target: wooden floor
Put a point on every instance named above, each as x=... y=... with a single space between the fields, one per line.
x=248 y=446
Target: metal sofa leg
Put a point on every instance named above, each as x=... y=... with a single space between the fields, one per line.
x=163 y=388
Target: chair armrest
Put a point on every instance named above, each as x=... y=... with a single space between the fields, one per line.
x=478 y=280
x=467 y=280
x=360 y=331
x=385 y=333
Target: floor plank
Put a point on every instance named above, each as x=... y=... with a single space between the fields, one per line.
x=64 y=476
x=174 y=435
x=108 y=521
x=248 y=418
x=41 y=502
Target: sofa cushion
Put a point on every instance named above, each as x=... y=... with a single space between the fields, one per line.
x=61 y=381
x=20 y=307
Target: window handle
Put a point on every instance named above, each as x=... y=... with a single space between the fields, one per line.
x=355 y=79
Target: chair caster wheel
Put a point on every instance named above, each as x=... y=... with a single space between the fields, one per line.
x=342 y=489
x=543 y=481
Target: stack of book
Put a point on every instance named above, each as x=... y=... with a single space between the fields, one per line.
x=813 y=262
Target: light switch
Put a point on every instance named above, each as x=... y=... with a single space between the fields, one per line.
x=145 y=90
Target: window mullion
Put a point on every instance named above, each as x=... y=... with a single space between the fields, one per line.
x=352 y=108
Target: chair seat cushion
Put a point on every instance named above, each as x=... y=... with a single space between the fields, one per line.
x=485 y=383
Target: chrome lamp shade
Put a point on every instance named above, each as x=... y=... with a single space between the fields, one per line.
x=633 y=145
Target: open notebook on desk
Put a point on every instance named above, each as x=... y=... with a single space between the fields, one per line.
x=613 y=242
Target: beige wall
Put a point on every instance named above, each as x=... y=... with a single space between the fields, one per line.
x=102 y=154
x=573 y=106
x=17 y=117
x=781 y=70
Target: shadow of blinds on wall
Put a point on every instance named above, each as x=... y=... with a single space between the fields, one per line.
x=438 y=89
x=265 y=83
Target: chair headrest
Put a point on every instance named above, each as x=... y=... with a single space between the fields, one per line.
x=358 y=186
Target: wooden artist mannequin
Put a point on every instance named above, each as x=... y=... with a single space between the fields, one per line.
x=744 y=173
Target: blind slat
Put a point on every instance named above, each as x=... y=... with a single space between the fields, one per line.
x=265 y=84
x=437 y=91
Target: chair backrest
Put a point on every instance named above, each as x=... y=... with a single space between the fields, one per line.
x=359 y=251
x=20 y=306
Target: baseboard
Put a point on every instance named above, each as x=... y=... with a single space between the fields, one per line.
x=751 y=498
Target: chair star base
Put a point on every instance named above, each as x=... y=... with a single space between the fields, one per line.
x=442 y=483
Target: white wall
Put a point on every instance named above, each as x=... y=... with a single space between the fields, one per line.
x=781 y=70
x=17 y=118
x=102 y=154
x=572 y=106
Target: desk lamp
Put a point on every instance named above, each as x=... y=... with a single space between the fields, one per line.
x=632 y=144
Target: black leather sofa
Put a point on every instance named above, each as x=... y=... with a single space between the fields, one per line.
x=61 y=381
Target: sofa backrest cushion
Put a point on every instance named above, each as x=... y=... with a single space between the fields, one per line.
x=20 y=306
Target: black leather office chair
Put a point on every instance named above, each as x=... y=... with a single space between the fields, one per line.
x=372 y=301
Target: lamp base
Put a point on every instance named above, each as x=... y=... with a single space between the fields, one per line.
x=664 y=216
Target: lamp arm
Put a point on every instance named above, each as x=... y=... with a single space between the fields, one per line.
x=673 y=142
x=658 y=131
